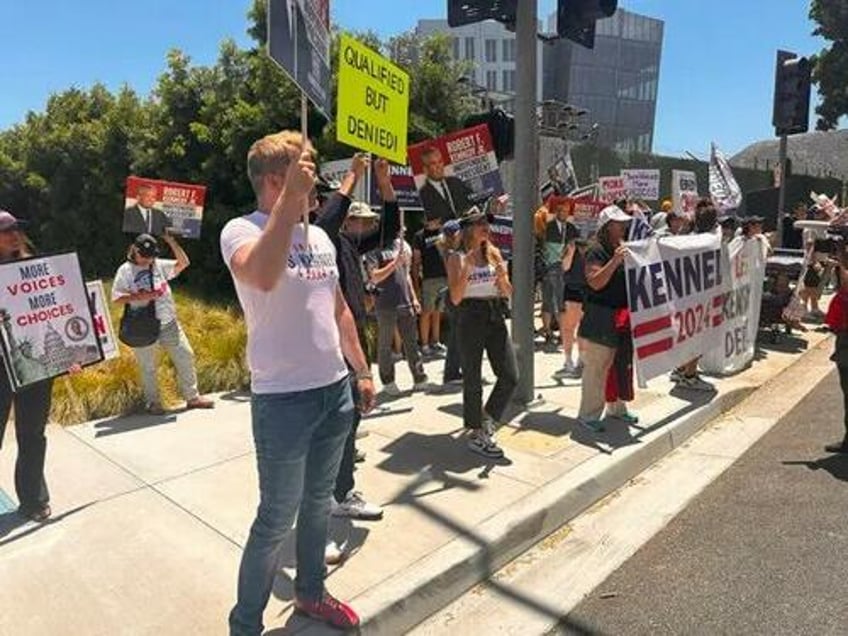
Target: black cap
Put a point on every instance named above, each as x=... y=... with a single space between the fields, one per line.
x=727 y=221
x=146 y=245
x=753 y=220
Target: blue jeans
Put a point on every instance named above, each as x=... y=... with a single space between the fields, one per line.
x=299 y=440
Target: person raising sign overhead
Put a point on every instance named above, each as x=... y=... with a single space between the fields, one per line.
x=443 y=197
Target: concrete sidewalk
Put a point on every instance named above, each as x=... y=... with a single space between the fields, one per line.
x=150 y=514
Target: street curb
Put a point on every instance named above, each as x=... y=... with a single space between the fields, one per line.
x=404 y=600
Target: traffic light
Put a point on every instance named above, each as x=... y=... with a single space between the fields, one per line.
x=462 y=12
x=501 y=128
x=576 y=19
x=791 y=94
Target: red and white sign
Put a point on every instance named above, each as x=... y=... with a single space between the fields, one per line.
x=102 y=319
x=612 y=188
x=684 y=190
x=468 y=155
x=586 y=213
x=155 y=207
x=676 y=288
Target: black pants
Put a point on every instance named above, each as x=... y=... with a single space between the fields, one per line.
x=843 y=382
x=32 y=408
x=452 y=363
x=481 y=327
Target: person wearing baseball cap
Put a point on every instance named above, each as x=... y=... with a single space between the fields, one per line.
x=143 y=279
x=605 y=329
x=31 y=402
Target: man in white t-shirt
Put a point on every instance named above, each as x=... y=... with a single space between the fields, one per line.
x=300 y=331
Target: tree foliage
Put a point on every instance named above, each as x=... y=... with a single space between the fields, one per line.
x=830 y=69
x=65 y=168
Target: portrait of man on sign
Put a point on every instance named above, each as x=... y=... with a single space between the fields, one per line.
x=443 y=197
x=143 y=217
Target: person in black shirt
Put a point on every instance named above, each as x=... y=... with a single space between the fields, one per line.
x=793 y=238
x=353 y=237
x=430 y=278
x=605 y=328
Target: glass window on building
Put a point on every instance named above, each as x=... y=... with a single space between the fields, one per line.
x=508 y=81
x=469 y=48
x=508 y=50
x=492 y=80
x=491 y=50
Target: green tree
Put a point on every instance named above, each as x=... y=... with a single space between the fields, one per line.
x=830 y=70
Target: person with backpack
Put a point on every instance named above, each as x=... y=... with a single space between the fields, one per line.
x=142 y=285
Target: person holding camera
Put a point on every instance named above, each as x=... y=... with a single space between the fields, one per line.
x=479 y=285
x=144 y=279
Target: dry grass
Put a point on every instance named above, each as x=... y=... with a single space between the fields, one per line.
x=218 y=337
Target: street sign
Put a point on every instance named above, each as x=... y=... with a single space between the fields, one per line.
x=299 y=42
x=373 y=101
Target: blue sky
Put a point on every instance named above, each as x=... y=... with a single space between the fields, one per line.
x=716 y=80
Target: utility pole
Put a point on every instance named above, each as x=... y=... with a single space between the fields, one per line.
x=526 y=195
x=781 y=192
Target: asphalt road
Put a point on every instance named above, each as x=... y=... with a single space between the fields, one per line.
x=763 y=550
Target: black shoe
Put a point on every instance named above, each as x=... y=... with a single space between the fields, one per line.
x=841 y=447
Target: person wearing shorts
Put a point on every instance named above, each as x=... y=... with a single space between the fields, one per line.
x=430 y=278
x=558 y=233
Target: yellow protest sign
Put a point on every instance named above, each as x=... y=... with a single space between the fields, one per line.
x=373 y=102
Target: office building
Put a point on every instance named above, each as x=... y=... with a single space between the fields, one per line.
x=616 y=81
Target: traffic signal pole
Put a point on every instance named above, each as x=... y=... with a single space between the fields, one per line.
x=525 y=192
x=781 y=192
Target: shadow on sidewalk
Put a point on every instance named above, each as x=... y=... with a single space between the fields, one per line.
x=11 y=521
x=129 y=423
x=236 y=396
x=435 y=455
x=785 y=343
x=836 y=465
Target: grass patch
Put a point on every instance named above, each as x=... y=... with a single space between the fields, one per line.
x=218 y=336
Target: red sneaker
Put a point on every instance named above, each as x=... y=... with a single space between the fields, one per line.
x=329 y=610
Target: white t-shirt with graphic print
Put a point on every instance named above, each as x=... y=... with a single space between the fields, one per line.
x=131 y=279
x=293 y=341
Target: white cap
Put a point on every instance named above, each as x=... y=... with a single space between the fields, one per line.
x=361 y=210
x=612 y=213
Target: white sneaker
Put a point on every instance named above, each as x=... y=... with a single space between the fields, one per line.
x=391 y=389
x=676 y=376
x=333 y=554
x=355 y=507
x=427 y=351
x=568 y=370
x=481 y=443
x=439 y=349
x=695 y=383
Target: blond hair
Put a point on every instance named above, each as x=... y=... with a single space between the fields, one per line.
x=272 y=155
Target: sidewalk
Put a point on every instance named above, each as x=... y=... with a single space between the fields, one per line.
x=150 y=513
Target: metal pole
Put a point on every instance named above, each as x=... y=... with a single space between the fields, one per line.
x=781 y=193
x=526 y=194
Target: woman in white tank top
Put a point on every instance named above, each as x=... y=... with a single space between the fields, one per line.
x=480 y=288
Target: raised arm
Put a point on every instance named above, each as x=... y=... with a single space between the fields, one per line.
x=598 y=276
x=334 y=212
x=260 y=263
x=179 y=253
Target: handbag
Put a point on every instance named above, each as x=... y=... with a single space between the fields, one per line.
x=139 y=325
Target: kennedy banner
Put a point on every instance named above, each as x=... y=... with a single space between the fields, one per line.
x=403 y=182
x=46 y=326
x=155 y=207
x=684 y=190
x=373 y=101
x=299 y=42
x=642 y=184
x=746 y=262
x=500 y=233
x=612 y=188
x=102 y=320
x=455 y=171
x=676 y=287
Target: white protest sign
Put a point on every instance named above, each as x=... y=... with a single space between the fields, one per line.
x=642 y=184
x=684 y=190
x=676 y=288
x=612 y=188
x=102 y=319
x=46 y=325
x=745 y=260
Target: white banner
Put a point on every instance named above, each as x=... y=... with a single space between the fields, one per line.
x=642 y=184
x=102 y=319
x=612 y=188
x=676 y=287
x=45 y=319
x=746 y=262
x=684 y=190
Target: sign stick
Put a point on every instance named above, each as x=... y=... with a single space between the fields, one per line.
x=304 y=131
